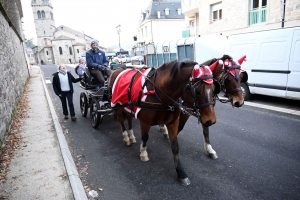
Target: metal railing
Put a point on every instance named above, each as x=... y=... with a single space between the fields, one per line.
x=257 y=15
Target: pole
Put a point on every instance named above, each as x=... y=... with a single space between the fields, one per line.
x=283 y=14
x=119 y=40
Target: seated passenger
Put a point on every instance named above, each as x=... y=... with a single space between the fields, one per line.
x=80 y=68
x=97 y=62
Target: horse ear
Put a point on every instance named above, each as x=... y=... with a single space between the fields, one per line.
x=217 y=87
x=241 y=60
x=213 y=66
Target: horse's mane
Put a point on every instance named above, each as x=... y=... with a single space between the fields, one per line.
x=175 y=66
x=211 y=61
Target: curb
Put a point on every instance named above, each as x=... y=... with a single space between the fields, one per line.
x=76 y=184
x=273 y=108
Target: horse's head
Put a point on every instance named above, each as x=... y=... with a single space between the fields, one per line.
x=230 y=78
x=199 y=94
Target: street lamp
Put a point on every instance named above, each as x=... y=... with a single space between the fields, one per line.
x=119 y=31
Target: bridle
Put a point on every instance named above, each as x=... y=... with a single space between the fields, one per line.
x=226 y=73
x=191 y=86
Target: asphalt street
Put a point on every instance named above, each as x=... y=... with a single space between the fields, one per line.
x=258 y=149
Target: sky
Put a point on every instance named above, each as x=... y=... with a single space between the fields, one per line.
x=96 y=18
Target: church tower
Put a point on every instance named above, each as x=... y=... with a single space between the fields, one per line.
x=44 y=21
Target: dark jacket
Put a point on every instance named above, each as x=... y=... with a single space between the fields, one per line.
x=94 y=59
x=56 y=82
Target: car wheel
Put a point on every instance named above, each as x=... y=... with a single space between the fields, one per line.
x=245 y=91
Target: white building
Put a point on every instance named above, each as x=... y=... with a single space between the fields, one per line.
x=204 y=17
x=160 y=21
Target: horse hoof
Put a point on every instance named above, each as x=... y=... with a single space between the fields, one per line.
x=127 y=143
x=166 y=136
x=144 y=158
x=133 y=140
x=185 y=182
x=213 y=156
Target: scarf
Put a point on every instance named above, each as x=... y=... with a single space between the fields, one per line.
x=62 y=72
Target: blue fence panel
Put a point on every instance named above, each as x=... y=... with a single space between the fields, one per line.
x=149 y=60
x=173 y=56
x=160 y=59
x=166 y=57
x=185 y=52
x=189 y=52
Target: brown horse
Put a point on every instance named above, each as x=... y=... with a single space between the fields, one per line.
x=227 y=73
x=168 y=83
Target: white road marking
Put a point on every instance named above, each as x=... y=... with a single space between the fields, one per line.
x=48 y=82
x=274 y=108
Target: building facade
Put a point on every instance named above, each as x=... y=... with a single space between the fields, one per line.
x=229 y=17
x=161 y=20
x=56 y=45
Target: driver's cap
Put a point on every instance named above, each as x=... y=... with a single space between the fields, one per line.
x=94 y=42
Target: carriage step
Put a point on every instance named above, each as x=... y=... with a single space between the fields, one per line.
x=104 y=110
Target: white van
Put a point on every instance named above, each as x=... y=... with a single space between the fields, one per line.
x=272 y=63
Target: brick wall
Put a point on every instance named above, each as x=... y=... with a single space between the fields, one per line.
x=13 y=68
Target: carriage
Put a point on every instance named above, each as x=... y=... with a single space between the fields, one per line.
x=97 y=101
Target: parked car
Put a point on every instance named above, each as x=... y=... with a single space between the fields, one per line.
x=124 y=59
x=137 y=60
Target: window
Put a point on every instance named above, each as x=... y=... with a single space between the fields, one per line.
x=39 y=14
x=179 y=11
x=77 y=50
x=44 y=32
x=167 y=11
x=51 y=15
x=216 y=11
x=70 y=50
x=60 y=51
x=47 y=53
x=62 y=28
x=258 y=11
x=34 y=1
x=43 y=14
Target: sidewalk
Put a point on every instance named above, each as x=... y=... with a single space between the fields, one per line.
x=42 y=167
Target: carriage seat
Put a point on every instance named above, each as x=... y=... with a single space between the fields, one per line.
x=116 y=66
x=90 y=82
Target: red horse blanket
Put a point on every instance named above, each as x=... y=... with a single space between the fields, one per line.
x=121 y=85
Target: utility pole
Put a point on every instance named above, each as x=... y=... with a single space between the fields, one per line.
x=282 y=12
x=119 y=31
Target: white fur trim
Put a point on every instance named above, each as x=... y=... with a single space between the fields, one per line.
x=220 y=62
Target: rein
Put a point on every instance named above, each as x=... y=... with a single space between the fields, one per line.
x=194 y=111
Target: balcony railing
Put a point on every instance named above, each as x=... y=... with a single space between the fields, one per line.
x=257 y=15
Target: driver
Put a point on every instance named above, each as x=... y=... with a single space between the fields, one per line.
x=97 y=63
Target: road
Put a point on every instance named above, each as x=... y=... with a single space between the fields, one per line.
x=258 y=149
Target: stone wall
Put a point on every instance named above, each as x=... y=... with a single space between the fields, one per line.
x=13 y=67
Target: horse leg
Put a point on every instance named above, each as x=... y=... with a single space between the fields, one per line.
x=164 y=130
x=207 y=146
x=173 y=132
x=130 y=130
x=143 y=148
x=119 y=113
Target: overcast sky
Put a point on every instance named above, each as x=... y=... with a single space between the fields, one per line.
x=97 y=18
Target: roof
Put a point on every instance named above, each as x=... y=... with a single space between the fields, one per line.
x=78 y=44
x=70 y=30
x=150 y=12
x=62 y=37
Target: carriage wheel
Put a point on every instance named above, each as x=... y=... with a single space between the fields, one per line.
x=83 y=104
x=95 y=116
